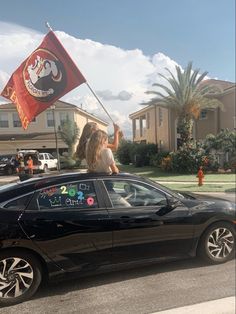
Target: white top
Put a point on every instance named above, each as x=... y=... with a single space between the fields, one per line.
x=105 y=161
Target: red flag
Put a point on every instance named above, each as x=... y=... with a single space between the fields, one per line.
x=45 y=76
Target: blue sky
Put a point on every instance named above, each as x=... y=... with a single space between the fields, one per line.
x=199 y=30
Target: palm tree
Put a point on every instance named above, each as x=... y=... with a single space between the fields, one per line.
x=187 y=96
x=69 y=133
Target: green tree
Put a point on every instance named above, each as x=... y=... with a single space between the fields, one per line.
x=187 y=96
x=69 y=133
x=224 y=141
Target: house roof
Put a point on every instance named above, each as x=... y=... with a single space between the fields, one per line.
x=143 y=110
x=219 y=83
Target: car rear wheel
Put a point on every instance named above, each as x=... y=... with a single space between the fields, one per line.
x=20 y=276
x=217 y=245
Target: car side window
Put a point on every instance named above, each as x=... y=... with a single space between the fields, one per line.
x=70 y=195
x=124 y=193
x=18 y=203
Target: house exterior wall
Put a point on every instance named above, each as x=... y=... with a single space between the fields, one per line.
x=156 y=126
x=44 y=135
x=227 y=116
x=208 y=125
x=218 y=119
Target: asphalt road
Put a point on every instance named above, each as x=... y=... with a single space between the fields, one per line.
x=141 y=290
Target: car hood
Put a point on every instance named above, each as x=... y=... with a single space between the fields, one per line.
x=205 y=202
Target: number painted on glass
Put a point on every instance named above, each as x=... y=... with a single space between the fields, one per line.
x=72 y=192
x=80 y=195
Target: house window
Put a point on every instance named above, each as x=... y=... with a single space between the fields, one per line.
x=160 y=116
x=50 y=121
x=142 y=125
x=4 y=120
x=203 y=115
x=63 y=117
x=16 y=120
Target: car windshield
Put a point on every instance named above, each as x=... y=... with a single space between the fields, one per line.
x=165 y=189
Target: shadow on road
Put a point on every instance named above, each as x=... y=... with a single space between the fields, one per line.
x=81 y=283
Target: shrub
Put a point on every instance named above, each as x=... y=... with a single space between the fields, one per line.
x=188 y=158
x=166 y=163
x=156 y=159
x=123 y=153
x=138 y=154
x=141 y=154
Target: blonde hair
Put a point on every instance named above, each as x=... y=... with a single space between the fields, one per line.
x=94 y=147
x=88 y=130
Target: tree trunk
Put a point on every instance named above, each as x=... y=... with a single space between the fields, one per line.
x=185 y=128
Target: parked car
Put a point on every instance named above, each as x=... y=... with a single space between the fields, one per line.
x=7 y=164
x=41 y=161
x=48 y=161
x=81 y=222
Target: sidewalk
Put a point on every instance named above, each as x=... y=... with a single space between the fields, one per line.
x=185 y=182
x=220 y=306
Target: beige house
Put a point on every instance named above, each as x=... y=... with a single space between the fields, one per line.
x=40 y=134
x=154 y=124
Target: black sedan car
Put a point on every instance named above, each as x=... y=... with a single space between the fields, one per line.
x=83 y=223
x=7 y=164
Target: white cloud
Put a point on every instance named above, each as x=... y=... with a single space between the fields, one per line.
x=120 y=77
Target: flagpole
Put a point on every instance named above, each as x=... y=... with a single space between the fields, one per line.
x=54 y=121
x=94 y=94
x=48 y=26
x=56 y=139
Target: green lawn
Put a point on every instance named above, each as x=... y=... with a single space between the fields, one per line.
x=188 y=182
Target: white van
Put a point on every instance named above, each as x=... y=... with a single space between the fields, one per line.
x=47 y=161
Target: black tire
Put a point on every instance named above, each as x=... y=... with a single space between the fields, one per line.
x=11 y=261
x=217 y=244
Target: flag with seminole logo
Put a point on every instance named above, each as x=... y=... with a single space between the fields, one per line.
x=45 y=76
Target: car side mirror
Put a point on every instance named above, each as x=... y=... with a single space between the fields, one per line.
x=173 y=203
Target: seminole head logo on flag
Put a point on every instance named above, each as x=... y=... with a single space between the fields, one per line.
x=45 y=76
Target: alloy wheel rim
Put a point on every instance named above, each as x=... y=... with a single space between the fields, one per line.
x=16 y=277
x=220 y=243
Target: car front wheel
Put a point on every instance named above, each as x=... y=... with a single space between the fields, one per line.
x=217 y=245
x=20 y=276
